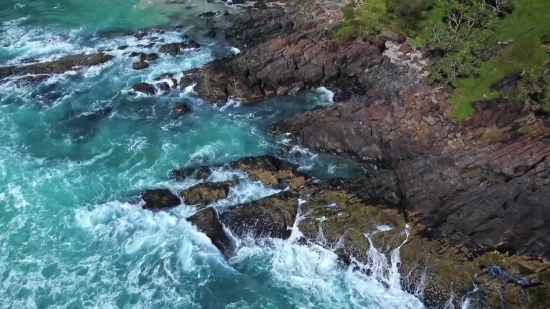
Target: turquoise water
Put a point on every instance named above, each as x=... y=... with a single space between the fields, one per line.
x=72 y=232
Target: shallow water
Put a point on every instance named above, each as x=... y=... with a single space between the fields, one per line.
x=72 y=232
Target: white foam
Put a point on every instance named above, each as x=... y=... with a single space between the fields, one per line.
x=327 y=96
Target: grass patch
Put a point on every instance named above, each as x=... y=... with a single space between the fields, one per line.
x=526 y=25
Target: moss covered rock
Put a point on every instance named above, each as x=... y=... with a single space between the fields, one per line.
x=205 y=194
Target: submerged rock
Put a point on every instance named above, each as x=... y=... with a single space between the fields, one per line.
x=142 y=65
x=159 y=199
x=205 y=194
x=148 y=57
x=202 y=173
x=145 y=88
x=172 y=49
x=207 y=222
x=182 y=108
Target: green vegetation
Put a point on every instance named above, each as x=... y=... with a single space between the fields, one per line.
x=512 y=34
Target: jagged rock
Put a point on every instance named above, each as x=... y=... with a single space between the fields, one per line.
x=142 y=65
x=207 y=193
x=202 y=173
x=172 y=49
x=159 y=199
x=207 y=222
x=148 y=57
x=60 y=66
x=164 y=87
x=507 y=84
x=193 y=44
x=144 y=88
x=270 y=170
x=267 y=217
x=182 y=108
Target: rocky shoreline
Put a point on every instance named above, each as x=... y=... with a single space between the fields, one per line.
x=465 y=205
x=472 y=194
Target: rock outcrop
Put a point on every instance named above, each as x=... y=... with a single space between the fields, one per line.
x=159 y=199
x=207 y=222
x=60 y=66
x=270 y=171
x=207 y=193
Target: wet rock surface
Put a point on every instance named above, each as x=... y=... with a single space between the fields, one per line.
x=208 y=193
x=60 y=66
x=159 y=199
x=145 y=88
x=202 y=173
x=207 y=222
x=270 y=171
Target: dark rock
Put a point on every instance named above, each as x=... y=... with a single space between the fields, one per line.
x=35 y=78
x=182 y=108
x=269 y=217
x=238 y=1
x=207 y=222
x=134 y=54
x=159 y=199
x=202 y=173
x=207 y=193
x=211 y=33
x=186 y=81
x=123 y=47
x=507 y=84
x=60 y=66
x=149 y=57
x=142 y=65
x=144 y=88
x=208 y=14
x=193 y=44
x=164 y=87
x=172 y=49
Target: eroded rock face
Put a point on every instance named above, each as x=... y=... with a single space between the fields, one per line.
x=207 y=193
x=207 y=222
x=159 y=199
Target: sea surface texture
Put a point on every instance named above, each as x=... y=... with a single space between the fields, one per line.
x=73 y=233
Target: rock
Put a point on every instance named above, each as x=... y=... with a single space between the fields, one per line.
x=144 y=88
x=391 y=35
x=60 y=66
x=202 y=173
x=182 y=108
x=270 y=171
x=159 y=199
x=186 y=81
x=172 y=49
x=238 y=1
x=207 y=14
x=430 y=120
x=123 y=47
x=207 y=193
x=164 y=87
x=142 y=65
x=193 y=44
x=35 y=78
x=268 y=217
x=207 y=222
x=134 y=54
x=507 y=84
x=211 y=33
x=149 y=57
x=405 y=48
